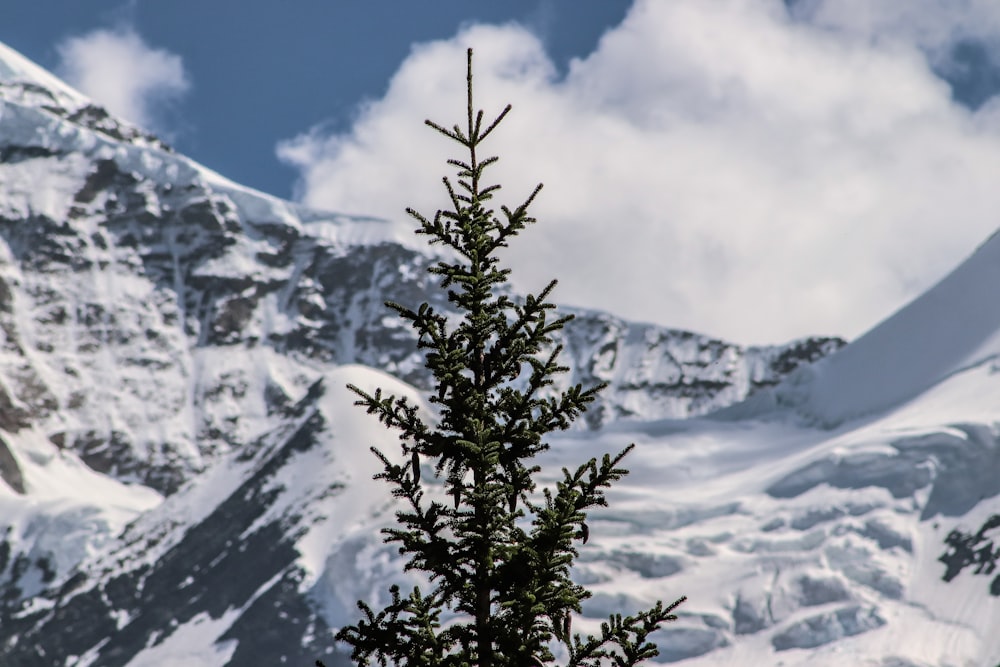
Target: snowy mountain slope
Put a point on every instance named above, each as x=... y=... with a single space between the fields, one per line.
x=802 y=546
x=951 y=328
x=216 y=572
x=864 y=462
x=795 y=545
x=179 y=483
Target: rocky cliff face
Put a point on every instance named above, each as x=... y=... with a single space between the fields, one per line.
x=166 y=338
x=230 y=566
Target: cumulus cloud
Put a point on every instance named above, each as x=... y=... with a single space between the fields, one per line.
x=117 y=69
x=931 y=24
x=727 y=166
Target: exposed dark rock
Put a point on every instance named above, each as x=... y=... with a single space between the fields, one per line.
x=13 y=417
x=10 y=472
x=979 y=549
x=796 y=353
x=6 y=297
x=11 y=153
x=98 y=119
x=103 y=176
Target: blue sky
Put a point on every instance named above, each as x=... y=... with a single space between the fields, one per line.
x=258 y=72
x=752 y=169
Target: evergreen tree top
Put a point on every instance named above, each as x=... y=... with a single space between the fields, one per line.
x=497 y=555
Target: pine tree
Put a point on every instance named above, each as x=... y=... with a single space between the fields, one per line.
x=496 y=554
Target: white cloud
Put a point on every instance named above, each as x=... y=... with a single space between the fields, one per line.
x=118 y=70
x=931 y=24
x=716 y=165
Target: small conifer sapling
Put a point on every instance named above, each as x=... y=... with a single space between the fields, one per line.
x=497 y=554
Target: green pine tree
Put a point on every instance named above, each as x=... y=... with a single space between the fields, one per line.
x=497 y=555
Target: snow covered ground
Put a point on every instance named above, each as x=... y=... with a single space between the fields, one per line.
x=795 y=546
x=806 y=524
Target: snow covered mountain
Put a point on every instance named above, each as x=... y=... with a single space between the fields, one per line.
x=184 y=479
